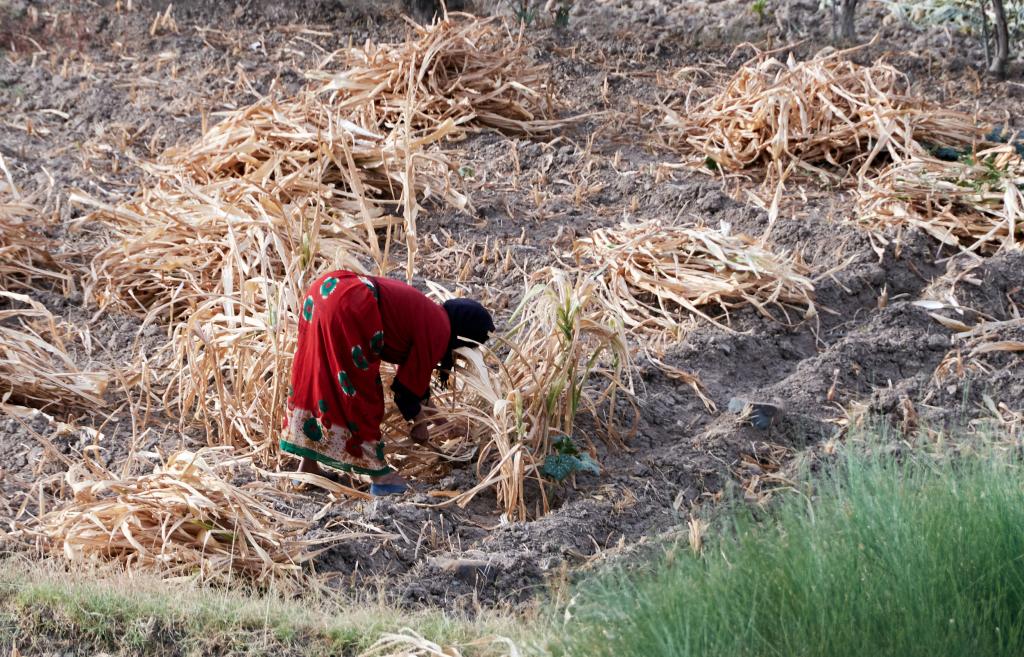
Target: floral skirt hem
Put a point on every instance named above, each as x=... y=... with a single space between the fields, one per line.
x=305 y=452
x=307 y=436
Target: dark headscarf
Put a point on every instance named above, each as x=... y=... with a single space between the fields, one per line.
x=471 y=324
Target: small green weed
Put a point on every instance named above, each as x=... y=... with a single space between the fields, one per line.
x=525 y=12
x=567 y=461
x=562 y=14
x=990 y=176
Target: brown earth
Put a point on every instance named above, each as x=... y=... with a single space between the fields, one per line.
x=126 y=95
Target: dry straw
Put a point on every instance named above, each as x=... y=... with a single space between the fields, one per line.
x=409 y=643
x=841 y=123
x=35 y=367
x=827 y=116
x=233 y=370
x=185 y=239
x=976 y=204
x=470 y=71
x=659 y=275
x=185 y=517
x=26 y=255
x=977 y=348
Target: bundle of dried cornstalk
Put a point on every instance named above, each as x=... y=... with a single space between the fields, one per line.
x=26 y=255
x=185 y=238
x=35 y=368
x=976 y=203
x=473 y=72
x=827 y=117
x=302 y=146
x=185 y=517
x=564 y=357
x=657 y=275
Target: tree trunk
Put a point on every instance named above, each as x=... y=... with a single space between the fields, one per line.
x=983 y=11
x=847 y=20
x=1002 y=34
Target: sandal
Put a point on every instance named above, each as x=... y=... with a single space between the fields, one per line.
x=382 y=490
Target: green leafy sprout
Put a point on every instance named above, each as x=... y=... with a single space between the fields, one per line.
x=567 y=460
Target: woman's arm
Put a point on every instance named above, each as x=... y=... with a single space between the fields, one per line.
x=408 y=403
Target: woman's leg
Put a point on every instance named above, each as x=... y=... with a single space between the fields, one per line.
x=392 y=478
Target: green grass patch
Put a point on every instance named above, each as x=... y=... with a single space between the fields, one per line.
x=919 y=555
x=46 y=608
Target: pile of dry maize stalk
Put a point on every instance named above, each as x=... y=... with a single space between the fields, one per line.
x=185 y=517
x=35 y=368
x=826 y=116
x=26 y=255
x=470 y=71
x=657 y=275
x=976 y=204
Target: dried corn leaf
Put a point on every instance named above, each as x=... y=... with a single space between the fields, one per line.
x=461 y=68
x=983 y=349
x=26 y=254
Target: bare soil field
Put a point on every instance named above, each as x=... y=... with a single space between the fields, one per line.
x=90 y=90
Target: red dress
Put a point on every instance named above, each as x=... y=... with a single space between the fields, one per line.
x=347 y=326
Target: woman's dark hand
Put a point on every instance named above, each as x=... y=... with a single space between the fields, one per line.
x=419 y=432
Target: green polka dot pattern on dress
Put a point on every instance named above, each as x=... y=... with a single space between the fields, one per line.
x=311 y=429
x=353 y=427
x=377 y=343
x=322 y=405
x=346 y=384
x=328 y=286
x=307 y=309
x=359 y=358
